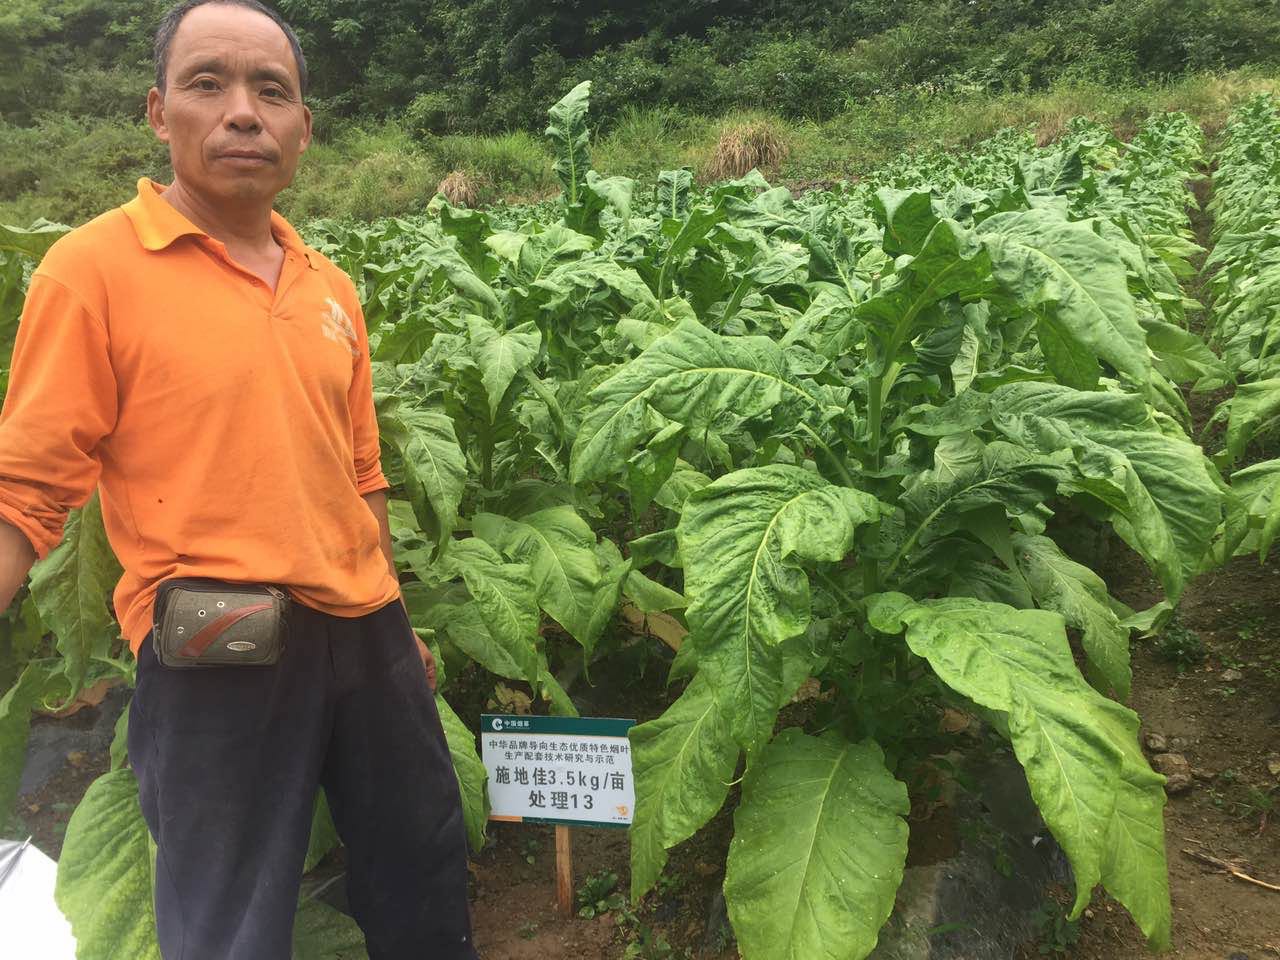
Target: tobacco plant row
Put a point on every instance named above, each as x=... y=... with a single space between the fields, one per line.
x=835 y=442
x=1244 y=285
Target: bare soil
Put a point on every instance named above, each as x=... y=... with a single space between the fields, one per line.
x=1229 y=732
x=43 y=813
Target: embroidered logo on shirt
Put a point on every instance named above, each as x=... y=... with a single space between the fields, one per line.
x=336 y=325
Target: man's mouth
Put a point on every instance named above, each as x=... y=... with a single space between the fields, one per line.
x=250 y=157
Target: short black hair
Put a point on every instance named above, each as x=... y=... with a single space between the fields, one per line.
x=169 y=26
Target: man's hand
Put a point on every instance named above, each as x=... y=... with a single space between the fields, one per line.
x=428 y=662
x=377 y=502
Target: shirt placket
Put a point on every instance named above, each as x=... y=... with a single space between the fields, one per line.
x=272 y=302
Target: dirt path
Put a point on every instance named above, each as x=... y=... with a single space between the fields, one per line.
x=1210 y=688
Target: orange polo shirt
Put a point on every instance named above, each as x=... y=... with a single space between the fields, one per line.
x=230 y=429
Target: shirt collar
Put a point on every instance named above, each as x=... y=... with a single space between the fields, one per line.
x=158 y=223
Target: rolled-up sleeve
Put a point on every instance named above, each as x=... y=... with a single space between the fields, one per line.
x=61 y=402
x=364 y=418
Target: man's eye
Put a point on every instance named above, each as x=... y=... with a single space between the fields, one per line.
x=272 y=92
x=206 y=84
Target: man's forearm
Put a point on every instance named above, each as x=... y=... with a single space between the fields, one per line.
x=377 y=502
x=16 y=557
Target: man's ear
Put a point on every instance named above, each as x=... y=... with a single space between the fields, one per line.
x=306 y=131
x=155 y=114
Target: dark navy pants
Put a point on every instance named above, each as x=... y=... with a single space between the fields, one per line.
x=229 y=759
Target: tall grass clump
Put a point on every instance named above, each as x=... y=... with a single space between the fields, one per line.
x=751 y=143
x=460 y=188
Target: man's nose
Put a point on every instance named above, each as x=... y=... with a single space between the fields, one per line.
x=241 y=112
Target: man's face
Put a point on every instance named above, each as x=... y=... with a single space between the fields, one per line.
x=232 y=110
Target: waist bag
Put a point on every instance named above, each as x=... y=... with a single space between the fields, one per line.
x=214 y=623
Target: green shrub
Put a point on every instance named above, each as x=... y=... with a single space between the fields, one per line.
x=515 y=163
x=695 y=79
x=798 y=78
x=110 y=90
x=429 y=113
x=523 y=105
x=71 y=169
x=622 y=77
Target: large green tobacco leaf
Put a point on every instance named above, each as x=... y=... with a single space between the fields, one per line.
x=694 y=229
x=691 y=376
x=469 y=228
x=435 y=471
x=535 y=254
x=570 y=136
x=742 y=539
x=1134 y=868
x=321 y=932
x=451 y=610
x=614 y=571
x=968 y=475
x=1258 y=487
x=1053 y=171
x=827 y=327
x=1160 y=488
x=1079 y=749
x=466 y=627
x=559 y=548
x=1059 y=583
x=572 y=289
x=33 y=241
x=1074 y=282
x=443 y=263
x=15 y=727
x=1183 y=357
x=950 y=261
x=598 y=194
x=505 y=597
x=1254 y=409
x=104 y=875
x=907 y=217
x=683 y=763
x=500 y=356
x=649 y=596
x=967 y=363
x=324 y=834
x=70 y=588
x=819 y=846
x=470 y=772
x=672 y=192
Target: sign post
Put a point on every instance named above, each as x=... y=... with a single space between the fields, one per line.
x=564 y=870
x=566 y=771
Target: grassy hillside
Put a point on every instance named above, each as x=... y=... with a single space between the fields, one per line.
x=383 y=167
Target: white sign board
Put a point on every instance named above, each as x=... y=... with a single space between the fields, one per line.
x=31 y=925
x=566 y=770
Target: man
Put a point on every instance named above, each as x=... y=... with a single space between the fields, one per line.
x=191 y=358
